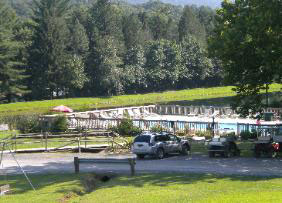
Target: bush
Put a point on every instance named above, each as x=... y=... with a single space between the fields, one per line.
x=207 y=134
x=25 y=124
x=157 y=129
x=245 y=135
x=59 y=124
x=126 y=128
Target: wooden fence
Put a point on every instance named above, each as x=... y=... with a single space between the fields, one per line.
x=48 y=142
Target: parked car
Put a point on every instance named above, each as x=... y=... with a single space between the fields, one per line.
x=159 y=144
x=224 y=146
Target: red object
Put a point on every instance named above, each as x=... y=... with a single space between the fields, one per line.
x=276 y=146
x=62 y=108
x=258 y=122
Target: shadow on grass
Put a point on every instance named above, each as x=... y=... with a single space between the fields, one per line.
x=84 y=183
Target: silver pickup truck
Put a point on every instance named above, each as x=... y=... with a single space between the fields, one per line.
x=159 y=144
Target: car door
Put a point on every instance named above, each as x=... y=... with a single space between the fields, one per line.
x=166 y=143
x=175 y=144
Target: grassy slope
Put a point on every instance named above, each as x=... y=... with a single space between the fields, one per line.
x=146 y=188
x=81 y=104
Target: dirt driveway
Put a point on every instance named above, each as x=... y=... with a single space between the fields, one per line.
x=63 y=162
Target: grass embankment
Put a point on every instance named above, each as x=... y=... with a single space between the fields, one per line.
x=82 y=104
x=85 y=188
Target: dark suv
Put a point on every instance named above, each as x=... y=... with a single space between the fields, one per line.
x=159 y=144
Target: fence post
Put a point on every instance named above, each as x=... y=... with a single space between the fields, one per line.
x=16 y=143
x=46 y=141
x=85 y=140
x=132 y=166
x=78 y=143
x=76 y=165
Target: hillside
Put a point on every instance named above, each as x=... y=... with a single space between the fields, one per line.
x=210 y=3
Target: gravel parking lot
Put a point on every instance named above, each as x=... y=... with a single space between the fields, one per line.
x=63 y=162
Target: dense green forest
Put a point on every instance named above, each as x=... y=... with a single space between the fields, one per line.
x=210 y=3
x=73 y=48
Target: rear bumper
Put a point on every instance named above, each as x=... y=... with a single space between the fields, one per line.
x=151 y=151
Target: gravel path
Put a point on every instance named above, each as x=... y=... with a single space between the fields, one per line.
x=63 y=162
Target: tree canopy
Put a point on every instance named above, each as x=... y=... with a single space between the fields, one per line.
x=248 y=40
x=74 y=48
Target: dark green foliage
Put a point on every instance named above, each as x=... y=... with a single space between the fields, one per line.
x=76 y=48
x=189 y=24
x=245 y=135
x=11 y=72
x=59 y=124
x=126 y=128
x=25 y=124
x=247 y=39
x=28 y=124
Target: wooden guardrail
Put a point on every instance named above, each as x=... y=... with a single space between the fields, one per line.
x=130 y=161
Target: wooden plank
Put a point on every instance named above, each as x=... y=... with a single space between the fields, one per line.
x=130 y=161
x=103 y=161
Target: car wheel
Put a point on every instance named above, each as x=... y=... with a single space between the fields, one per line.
x=160 y=153
x=140 y=156
x=184 y=150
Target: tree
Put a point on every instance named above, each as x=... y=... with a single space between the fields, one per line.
x=105 y=47
x=163 y=64
x=132 y=31
x=48 y=52
x=248 y=41
x=189 y=24
x=134 y=73
x=11 y=74
x=195 y=63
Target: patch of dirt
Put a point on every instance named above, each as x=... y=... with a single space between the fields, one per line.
x=91 y=181
x=67 y=197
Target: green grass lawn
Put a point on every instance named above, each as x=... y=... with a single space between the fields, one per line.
x=169 y=188
x=82 y=104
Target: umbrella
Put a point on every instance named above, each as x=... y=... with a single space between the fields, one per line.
x=62 y=108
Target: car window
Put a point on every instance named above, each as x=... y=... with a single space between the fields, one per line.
x=161 y=138
x=143 y=138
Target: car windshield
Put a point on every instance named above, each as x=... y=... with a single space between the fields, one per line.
x=143 y=138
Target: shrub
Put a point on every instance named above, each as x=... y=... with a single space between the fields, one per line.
x=59 y=124
x=207 y=134
x=156 y=129
x=25 y=124
x=126 y=128
x=245 y=135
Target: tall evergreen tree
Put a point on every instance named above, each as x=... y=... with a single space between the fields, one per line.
x=105 y=48
x=11 y=75
x=132 y=31
x=189 y=25
x=48 y=54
